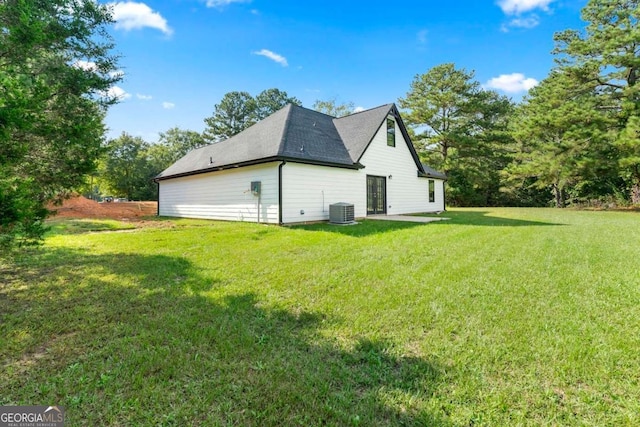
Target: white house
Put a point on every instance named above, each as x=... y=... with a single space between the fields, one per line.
x=291 y=166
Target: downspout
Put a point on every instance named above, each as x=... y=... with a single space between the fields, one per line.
x=444 y=196
x=284 y=162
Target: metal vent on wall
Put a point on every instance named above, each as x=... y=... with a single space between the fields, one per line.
x=341 y=213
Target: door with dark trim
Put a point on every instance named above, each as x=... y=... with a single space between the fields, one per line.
x=376 y=195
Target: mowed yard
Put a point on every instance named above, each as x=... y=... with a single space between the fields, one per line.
x=496 y=317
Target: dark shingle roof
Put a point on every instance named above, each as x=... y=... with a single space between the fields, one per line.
x=357 y=130
x=260 y=141
x=293 y=133
x=312 y=136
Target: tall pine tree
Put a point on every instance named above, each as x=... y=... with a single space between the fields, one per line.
x=559 y=131
x=607 y=55
x=462 y=130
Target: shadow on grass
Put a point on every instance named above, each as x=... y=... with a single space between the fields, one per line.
x=79 y=226
x=370 y=227
x=484 y=218
x=363 y=228
x=121 y=339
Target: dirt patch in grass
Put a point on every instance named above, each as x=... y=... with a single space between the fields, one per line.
x=81 y=207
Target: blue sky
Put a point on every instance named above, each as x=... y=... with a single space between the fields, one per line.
x=179 y=57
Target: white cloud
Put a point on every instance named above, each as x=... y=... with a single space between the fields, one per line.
x=528 y=22
x=116 y=92
x=422 y=36
x=131 y=16
x=144 y=97
x=86 y=65
x=358 y=109
x=273 y=56
x=223 y=3
x=168 y=105
x=512 y=83
x=516 y=7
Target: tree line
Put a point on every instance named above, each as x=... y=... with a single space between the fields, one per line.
x=573 y=139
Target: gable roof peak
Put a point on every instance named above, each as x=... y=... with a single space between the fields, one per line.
x=357 y=130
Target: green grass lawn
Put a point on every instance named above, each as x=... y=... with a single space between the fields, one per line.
x=495 y=317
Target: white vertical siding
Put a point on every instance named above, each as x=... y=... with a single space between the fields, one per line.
x=406 y=192
x=311 y=189
x=223 y=195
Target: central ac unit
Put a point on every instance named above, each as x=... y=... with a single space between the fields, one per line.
x=341 y=213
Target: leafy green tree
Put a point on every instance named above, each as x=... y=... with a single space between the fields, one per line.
x=561 y=136
x=55 y=71
x=271 y=100
x=235 y=112
x=606 y=55
x=128 y=171
x=440 y=102
x=463 y=131
x=239 y=110
x=179 y=142
x=333 y=107
x=172 y=145
x=482 y=151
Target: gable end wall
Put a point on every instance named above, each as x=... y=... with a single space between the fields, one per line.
x=406 y=192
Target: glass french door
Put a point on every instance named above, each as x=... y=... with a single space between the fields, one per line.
x=376 y=195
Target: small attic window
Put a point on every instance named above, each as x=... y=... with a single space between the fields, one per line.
x=391 y=133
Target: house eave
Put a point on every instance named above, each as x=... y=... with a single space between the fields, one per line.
x=434 y=176
x=259 y=162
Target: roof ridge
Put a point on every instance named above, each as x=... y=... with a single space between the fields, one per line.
x=202 y=146
x=367 y=110
x=316 y=111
